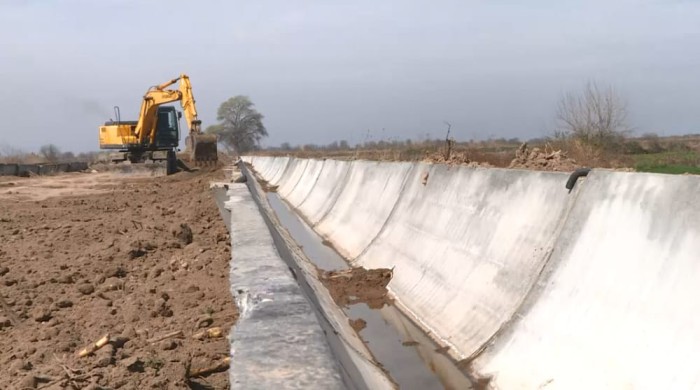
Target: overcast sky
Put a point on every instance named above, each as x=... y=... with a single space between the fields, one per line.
x=329 y=70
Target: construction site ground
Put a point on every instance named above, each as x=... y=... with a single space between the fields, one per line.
x=141 y=259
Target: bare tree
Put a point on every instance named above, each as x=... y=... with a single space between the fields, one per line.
x=596 y=117
x=50 y=152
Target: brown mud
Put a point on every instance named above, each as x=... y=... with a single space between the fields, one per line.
x=358 y=285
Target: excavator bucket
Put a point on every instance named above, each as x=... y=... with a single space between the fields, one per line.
x=202 y=149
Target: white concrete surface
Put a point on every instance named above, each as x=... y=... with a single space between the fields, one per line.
x=363 y=207
x=306 y=183
x=537 y=287
x=617 y=307
x=467 y=246
x=291 y=177
x=325 y=191
x=279 y=171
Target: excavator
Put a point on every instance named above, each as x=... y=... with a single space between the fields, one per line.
x=156 y=134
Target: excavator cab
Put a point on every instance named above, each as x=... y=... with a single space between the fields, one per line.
x=167 y=127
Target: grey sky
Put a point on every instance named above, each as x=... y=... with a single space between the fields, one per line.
x=328 y=70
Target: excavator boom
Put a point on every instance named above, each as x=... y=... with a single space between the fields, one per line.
x=141 y=136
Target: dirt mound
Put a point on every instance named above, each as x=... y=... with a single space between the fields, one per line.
x=542 y=160
x=135 y=272
x=455 y=158
x=357 y=285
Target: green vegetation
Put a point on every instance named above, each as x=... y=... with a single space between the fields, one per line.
x=675 y=162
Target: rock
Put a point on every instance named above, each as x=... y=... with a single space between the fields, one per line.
x=162 y=308
x=115 y=272
x=64 y=304
x=129 y=332
x=104 y=356
x=4 y=271
x=5 y=322
x=86 y=289
x=112 y=284
x=183 y=233
x=10 y=282
x=28 y=382
x=155 y=272
x=65 y=279
x=20 y=365
x=133 y=364
x=41 y=314
x=168 y=345
x=139 y=248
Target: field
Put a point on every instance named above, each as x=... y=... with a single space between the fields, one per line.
x=139 y=259
x=673 y=155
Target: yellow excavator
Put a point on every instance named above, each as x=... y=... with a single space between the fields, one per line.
x=156 y=134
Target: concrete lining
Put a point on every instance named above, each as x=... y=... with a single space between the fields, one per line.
x=325 y=190
x=467 y=244
x=306 y=183
x=282 y=165
x=614 y=307
x=528 y=284
x=290 y=334
x=369 y=195
x=294 y=172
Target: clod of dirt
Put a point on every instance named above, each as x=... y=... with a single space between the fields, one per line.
x=4 y=271
x=105 y=356
x=155 y=272
x=28 y=382
x=357 y=285
x=5 y=322
x=183 y=233
x=86 y=289
x=139 y=248
x=358 y=324
x=114 y=271
x=65 y=279
x=41 y=314
x=64 y=304
x=112 y=284
x=542 y=160
x=20 y=365
x=133 y=364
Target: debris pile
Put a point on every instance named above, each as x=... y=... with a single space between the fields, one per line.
x=455 y=158
x=538 y=159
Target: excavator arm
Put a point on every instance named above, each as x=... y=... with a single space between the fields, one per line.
x=202 y=147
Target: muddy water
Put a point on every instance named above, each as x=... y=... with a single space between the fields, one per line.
x=409 y=356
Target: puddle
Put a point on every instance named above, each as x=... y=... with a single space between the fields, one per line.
x=403 y=349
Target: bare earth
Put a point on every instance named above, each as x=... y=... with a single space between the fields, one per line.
x=131 y=256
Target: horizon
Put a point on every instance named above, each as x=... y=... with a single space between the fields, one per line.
x=321 y=72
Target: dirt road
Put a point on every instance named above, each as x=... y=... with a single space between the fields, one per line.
x=134 y=257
